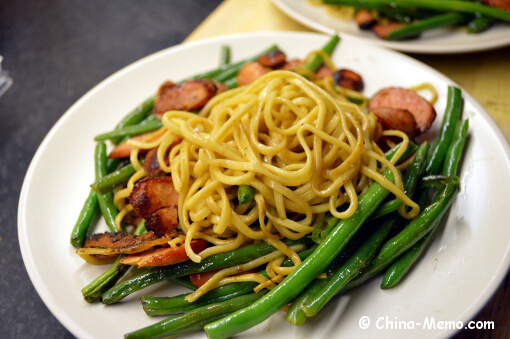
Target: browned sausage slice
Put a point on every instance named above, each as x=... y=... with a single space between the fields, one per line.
x=163 y=221
x=383 y=29
x=365 y=19
x=151 y=165
x=249 y=73
x=188 y=96
x=395 y=97
x=324 y=71
x=150 y=194
x=292 y=64
x=396 y=118
x=501 y=4
x=123 y=150
x=273 y=59
x=349 y=79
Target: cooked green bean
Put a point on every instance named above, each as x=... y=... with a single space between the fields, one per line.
x=221 y=260
x=177 y=304
x=359 y=260
x=93 y=291
x=417 y=27
x=135 y=116
x=451 y=116
x=454 y=153
x=401 y=266
x=85 y=220
x=130 y=131
x=316 y=61
x=443 y=5
x=225 y=56
x=170 y=325
x=310 y=268
x=105 y=200
x=245 y=194
x=410 y=235
x=479 y=24
x=107 y=183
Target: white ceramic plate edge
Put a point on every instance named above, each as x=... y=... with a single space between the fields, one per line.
x=35 y=277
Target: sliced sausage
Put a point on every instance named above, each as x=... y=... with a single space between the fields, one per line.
x=198 y=279
x=151 y=165
x=501 y=4
x=365 y=19
x=188 y=96
x=349 y=79
x=164 y=256
x=150 y=194
x=383 y=29
x=324 y=71
x=123 y=150
x=273 y=59
x=396 y=118
x=163 y=221
x=220 y=87
x=108 y=244
x=249 y=73
x=394 y=97
x=292 y=64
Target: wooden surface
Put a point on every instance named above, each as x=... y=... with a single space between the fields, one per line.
x=485 y=75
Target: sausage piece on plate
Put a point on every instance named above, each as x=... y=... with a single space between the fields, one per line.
x=150 y=194
x=364 y=19
x=395 y=97
x=396 y=118
x=501 y=4
x=163 y=221
x=292 y=64
x=324 y=71
x=349 y=79
x=188 y=96
x=383 y=29
x=250 y=72
x=273 y=59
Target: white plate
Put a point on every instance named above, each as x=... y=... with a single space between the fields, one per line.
x=438 y=41
x=452 y=282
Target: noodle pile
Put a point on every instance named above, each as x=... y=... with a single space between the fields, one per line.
x=305 y=152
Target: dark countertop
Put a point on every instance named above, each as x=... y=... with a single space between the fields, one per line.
x=56 y=51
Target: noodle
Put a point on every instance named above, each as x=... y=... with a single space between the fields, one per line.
x=300 y=144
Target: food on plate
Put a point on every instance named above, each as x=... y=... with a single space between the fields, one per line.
x=267 y=184
x=408 y=19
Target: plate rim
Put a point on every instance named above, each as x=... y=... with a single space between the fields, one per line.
x=398 y=46
x=35 y=276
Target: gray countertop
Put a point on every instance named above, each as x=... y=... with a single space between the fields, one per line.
x=55 y=51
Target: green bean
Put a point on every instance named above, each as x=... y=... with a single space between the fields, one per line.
x=225 y=56
x=105 y=200
x=310 y=268
x=410 y=235
x=443 y=5
x=245 y=194
x=401 y=266
x=85 y=220
x=420 y=26
x=479 y=24
x=411 y=148
x=177 y=304
x=93 y=291
x=360 y=259
x=130 y=131
x=107 y=183
x=438 y=151
x=135 y=116
x=170 y=325
x=295 y=315
x=454 y=153
x=219 y=72
x=316 y=61
x=213 y=262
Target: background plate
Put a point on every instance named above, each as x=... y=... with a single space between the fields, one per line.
x=438 y=41
x=458 y=274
